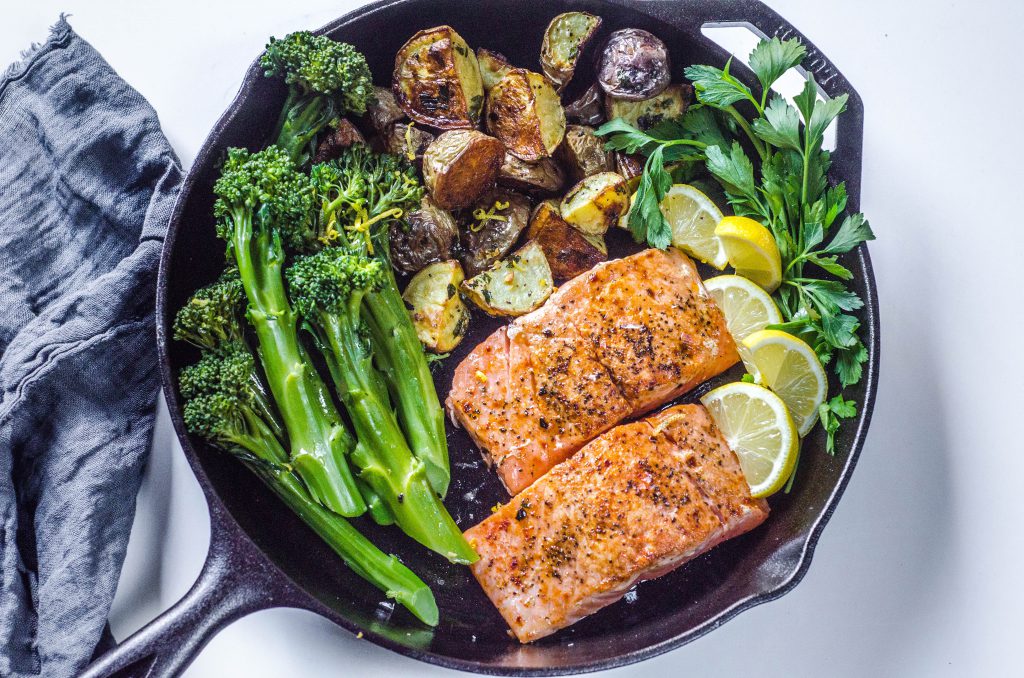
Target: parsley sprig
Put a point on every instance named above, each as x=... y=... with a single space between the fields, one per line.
x=784 y=187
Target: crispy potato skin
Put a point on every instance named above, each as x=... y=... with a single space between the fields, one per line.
x=408 y=141
x=568 y=251
x=582 y=153
x=596 y=203
x=514 y=286
x=437 y=311
x=383 y=110
x=437 y=80
x=588 y=108
x=524 y=112
x=634 y=65
x=337 y=140
x=486 y=241
x=647 y=113
x=461 y=165
x=544 y=177
x=427 y=235
x=564 y=41
x=493 y=66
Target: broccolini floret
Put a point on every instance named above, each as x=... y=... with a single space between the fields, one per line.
x=328 y=289
x=223 y=406
x=326 y=79
x=358 y=197
x=263 y=202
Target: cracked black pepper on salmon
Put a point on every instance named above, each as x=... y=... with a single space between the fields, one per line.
x=634 y=504
x=617 y=341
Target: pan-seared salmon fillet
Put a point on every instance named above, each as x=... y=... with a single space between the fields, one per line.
x=615 y=342
x=635 y=503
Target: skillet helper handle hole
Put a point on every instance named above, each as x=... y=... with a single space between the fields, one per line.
x=231 y=585
x=705 y=21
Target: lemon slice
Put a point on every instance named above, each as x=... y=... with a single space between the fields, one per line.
x=693 y=217
x=746 y=306
x=759 y=429
x=751 y=249
x=788 y=366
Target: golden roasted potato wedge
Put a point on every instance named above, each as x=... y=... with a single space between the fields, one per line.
x=437 y=80
x=493 y=66
x=647 y=113
x=461 y=165
x=582 y=153
x=564 y=40
x=568 y=251
x=596 y=203
x=438 y=314
x=494 y=226
x=408 y=141
x=514 y=286
x=525 y=113
x=543 y=177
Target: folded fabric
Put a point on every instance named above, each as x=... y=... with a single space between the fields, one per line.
x=87 y=183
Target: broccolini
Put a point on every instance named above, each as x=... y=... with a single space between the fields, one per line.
x=263 y=201
x=325 y=79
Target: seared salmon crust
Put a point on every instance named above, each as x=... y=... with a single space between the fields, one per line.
x=613 y=343
x=635 y=503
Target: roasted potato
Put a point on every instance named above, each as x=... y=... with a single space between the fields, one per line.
x=596 y=203
x=588 y=109
x=629 y=165
x=461 y=165
x=582 y=153
x=437 y=80
x=383 y=110
x=634 y=65
x=438 y=314
x=407 y=140
x=649 y=112
x=493 y=66
x=524 y=112
x=544 y=177
x=426 y=235
x=564 y=40
x=568 y=251
x=337 y=139
x=493 y=227
x=514 y=286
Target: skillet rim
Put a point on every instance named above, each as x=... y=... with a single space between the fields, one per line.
x=223 y=525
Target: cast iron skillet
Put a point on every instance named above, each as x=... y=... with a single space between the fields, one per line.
x=261 y=556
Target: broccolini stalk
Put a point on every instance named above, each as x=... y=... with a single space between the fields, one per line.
x=222 y=406
x=261 y=201
x=325 y=79
x=328 y=289
x=360 y=194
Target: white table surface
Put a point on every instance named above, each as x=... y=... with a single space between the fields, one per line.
x=918 y=572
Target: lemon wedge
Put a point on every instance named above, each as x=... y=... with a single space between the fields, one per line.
x=760 y=430
x=693 y=217
x=746 y=306
x=751 y=249
x=790 y=368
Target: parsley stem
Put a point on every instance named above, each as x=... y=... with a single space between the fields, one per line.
x=684 y=142
x=745 y=126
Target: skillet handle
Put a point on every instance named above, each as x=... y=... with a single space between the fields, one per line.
x=234 y=582
x=846 y=159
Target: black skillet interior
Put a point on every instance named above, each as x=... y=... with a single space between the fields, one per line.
x=659 y=614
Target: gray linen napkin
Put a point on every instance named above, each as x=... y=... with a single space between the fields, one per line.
x=87 y=181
